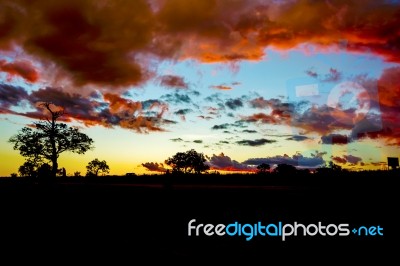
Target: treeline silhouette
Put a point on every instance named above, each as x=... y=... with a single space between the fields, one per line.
x=325 y=177
x=42 y=144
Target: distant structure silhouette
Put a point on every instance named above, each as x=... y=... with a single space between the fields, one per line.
x=393 y=162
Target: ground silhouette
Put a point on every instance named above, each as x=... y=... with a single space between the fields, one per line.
x=149 y=214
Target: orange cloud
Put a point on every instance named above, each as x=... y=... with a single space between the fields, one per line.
x=130 y=114
x=223 y=162
x=122 y=106
x=21 y=68
x=172 y=81
x=389 y=87
x=109 y=43
x=93 y=42
x=221 y=87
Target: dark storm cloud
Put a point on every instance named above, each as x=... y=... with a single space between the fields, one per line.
x=11 y=95
x=107 y=43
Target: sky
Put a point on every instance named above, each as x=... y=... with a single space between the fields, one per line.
x=243 y=82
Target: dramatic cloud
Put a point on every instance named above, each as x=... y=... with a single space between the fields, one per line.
x=154 y=167
x=113 y=46
x=225 y=163
x=107 y=43
x=131 y=116
x=92 y=43
x=279 y=112
x=389 y=87
x=174 y=82
x=110 y=111
x=311 y=118
x=11 y=95
x=386 y=124
x=322 y=119
x=23 y=69
x=85 y=110
x=257 y=142
x=297 y=160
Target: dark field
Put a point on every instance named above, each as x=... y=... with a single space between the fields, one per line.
x=148 y=216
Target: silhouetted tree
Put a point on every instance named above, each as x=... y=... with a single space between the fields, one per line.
x=263 y=168
x=285 y=169
x=334 y=167
x=188 y=162
x=49 y=139
x=29 y=168
x=95 y=167
x=44 y=173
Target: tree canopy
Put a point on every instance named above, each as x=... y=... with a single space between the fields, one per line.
x=188 y=162
x=95 y=167
x=263 y=168
x=48 y=139
x=285 y=169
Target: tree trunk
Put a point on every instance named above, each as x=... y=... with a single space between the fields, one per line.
x=53 y=147
x=54 y=167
